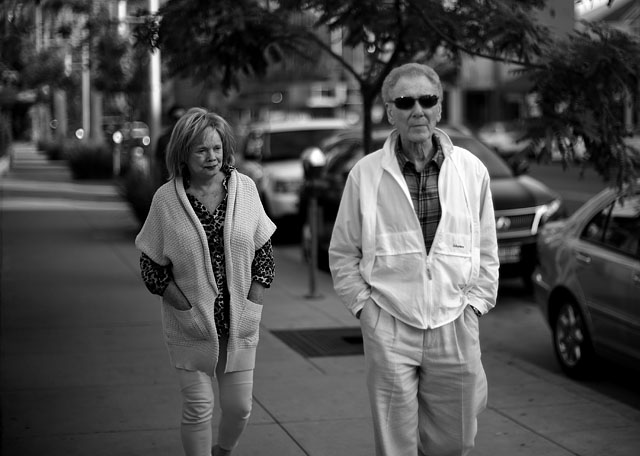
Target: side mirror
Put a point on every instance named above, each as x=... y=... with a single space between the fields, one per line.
x=313 y=160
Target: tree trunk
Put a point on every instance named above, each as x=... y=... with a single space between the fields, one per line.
x=95 y=130
x=60 y=113
x=367 y=104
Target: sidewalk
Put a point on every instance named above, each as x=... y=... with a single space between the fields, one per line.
x=84 y=370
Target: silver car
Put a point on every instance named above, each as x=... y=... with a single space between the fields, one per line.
x=271 y=155
x=587 y=282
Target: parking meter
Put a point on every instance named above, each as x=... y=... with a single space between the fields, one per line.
x=117 y=138
x=313 y=161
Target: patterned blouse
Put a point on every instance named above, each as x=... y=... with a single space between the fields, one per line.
x=157 y=277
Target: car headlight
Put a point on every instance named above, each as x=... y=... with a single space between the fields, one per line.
x=551 y=211
x=280 y=186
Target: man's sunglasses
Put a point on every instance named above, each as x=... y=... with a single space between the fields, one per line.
x=426 y=101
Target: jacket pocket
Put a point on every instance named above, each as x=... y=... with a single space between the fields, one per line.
x=452 y=261
x=399 y=243
x=249 y=322
x=399 y=267
x=184 y=324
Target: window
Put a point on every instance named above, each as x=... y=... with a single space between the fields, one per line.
x=287 y=145
x=594 y=230
x=623 y=230
x=339 y=155
x=495 y=165
x=617 y=226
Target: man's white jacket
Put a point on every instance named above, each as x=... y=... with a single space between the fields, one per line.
x=377 y=250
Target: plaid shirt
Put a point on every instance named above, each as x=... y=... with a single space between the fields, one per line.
x=423 y=188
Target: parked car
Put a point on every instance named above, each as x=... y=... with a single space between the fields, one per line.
x=271 y=154
x=507 y=138
x=587 y=283
x=134 y=145
x=522 y=204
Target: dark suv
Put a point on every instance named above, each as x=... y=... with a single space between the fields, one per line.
x=522 y=204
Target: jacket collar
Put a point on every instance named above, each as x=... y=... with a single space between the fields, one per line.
x=389 y=161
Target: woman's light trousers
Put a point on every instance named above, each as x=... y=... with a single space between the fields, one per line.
x=235 y=396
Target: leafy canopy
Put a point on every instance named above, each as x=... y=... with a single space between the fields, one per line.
x=581 y=82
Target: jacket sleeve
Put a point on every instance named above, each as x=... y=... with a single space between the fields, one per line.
x=484 y=292
x=345 y=250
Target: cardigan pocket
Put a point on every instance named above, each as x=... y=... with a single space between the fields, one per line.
x=184 y=324
x=249 y=322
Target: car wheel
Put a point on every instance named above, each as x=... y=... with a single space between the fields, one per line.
x=571 y=341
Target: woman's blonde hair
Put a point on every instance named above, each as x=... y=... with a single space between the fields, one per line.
x=188 y=131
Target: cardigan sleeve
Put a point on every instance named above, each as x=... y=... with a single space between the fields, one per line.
x=265 y=226
x=150 y=239
x=155 y=277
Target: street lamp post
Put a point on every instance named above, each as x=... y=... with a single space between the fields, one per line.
x=156 y=93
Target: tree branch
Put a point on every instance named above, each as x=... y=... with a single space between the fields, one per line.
x=313 y=37
x=462 y=48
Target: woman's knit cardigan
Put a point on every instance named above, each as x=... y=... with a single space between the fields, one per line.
x=172 y=234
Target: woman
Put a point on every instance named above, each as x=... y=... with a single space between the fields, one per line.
x=206 y=250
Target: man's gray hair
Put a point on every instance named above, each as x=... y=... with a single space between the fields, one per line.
x=409 y=69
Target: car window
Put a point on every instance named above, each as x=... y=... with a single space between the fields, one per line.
x=343 y=156
x=290 y=144
x=594 y=230
x=496 y=166
x=623 y=229
x=338 y=156
x=617 y=226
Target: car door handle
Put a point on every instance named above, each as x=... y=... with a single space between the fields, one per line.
x=636 y=278
x=583 y=258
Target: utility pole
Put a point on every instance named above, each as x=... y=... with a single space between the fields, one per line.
x=86 y=75
x=155 y=93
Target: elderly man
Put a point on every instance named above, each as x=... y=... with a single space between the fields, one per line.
x=413 y=255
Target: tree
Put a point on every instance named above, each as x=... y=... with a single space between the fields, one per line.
x=583 y=85
x=216 y=42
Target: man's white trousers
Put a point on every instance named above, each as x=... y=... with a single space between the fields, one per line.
x=426 y=387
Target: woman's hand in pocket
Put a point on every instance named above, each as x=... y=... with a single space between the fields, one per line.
x=175 y=298
x=256 y=292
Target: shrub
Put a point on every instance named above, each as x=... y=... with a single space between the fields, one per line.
x=5 y=135
x=137 y=187
x=52 y=148
x=89 y=160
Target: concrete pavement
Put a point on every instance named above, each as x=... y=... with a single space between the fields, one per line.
x=84 y=370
